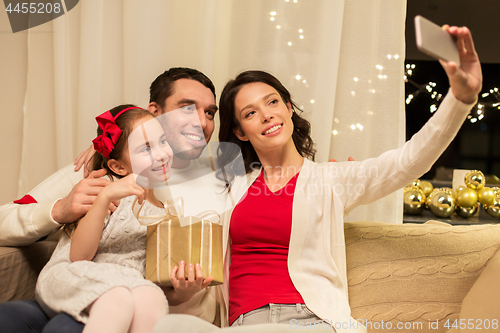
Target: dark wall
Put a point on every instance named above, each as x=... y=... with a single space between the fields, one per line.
x=477 y=145
x=481 y=16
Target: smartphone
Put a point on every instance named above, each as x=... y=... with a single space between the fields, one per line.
x=434 y=41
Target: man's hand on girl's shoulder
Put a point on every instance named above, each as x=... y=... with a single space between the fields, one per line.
x=78 y=202
x=83 y=159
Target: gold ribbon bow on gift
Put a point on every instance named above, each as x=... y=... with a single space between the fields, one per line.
x=172 y=238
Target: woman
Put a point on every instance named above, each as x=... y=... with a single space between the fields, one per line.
x=286 y=248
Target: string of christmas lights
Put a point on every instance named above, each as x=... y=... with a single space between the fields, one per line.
x=487 y=100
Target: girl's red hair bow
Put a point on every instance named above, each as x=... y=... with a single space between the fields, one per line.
x=105 y=143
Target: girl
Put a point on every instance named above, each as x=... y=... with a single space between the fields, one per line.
x=96 y=273
x=287 y=258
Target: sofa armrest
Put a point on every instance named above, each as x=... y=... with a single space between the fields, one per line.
x=19 y=269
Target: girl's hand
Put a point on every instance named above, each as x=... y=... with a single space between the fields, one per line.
x=122 y=188
x=465 y=81
x=85 y=240
x=184 y=288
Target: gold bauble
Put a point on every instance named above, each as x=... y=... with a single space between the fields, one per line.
x=416 y=182
x=449 y=189
x=413 y=200
x=496 y=190
x=467 y=198
x=426 y=187
x=475 y=179
x=466 y=212
x=486 y=196
x=408 y=187
x=441 y=202
x=460 y=188
x=494 y=209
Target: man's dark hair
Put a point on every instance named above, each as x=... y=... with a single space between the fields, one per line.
x=162 y=86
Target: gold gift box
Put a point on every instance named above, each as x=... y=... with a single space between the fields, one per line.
x=195 y=240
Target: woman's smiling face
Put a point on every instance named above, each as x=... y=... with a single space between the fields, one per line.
x=265 y=120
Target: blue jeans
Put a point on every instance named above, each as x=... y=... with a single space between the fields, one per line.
x=27 y=317
x=295 y=315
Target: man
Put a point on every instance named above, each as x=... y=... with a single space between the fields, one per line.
x=42 y=211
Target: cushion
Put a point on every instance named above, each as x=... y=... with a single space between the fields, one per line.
x=405 y=277
x=19 y=269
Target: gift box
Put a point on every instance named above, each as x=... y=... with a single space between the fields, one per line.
x=174 y=238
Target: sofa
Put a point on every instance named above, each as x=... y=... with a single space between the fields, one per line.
x=401 y=278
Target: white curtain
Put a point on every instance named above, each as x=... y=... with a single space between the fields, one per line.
x=369 y=114
x=58 y=76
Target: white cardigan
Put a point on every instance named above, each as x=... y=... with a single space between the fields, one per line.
x=325 y=193
x=25 y=224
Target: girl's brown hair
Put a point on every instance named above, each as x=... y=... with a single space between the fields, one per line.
x=125 y=122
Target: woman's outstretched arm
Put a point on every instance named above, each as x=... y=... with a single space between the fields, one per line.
x=396 y=168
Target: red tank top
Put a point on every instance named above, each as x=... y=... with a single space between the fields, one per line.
x=260 y=235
